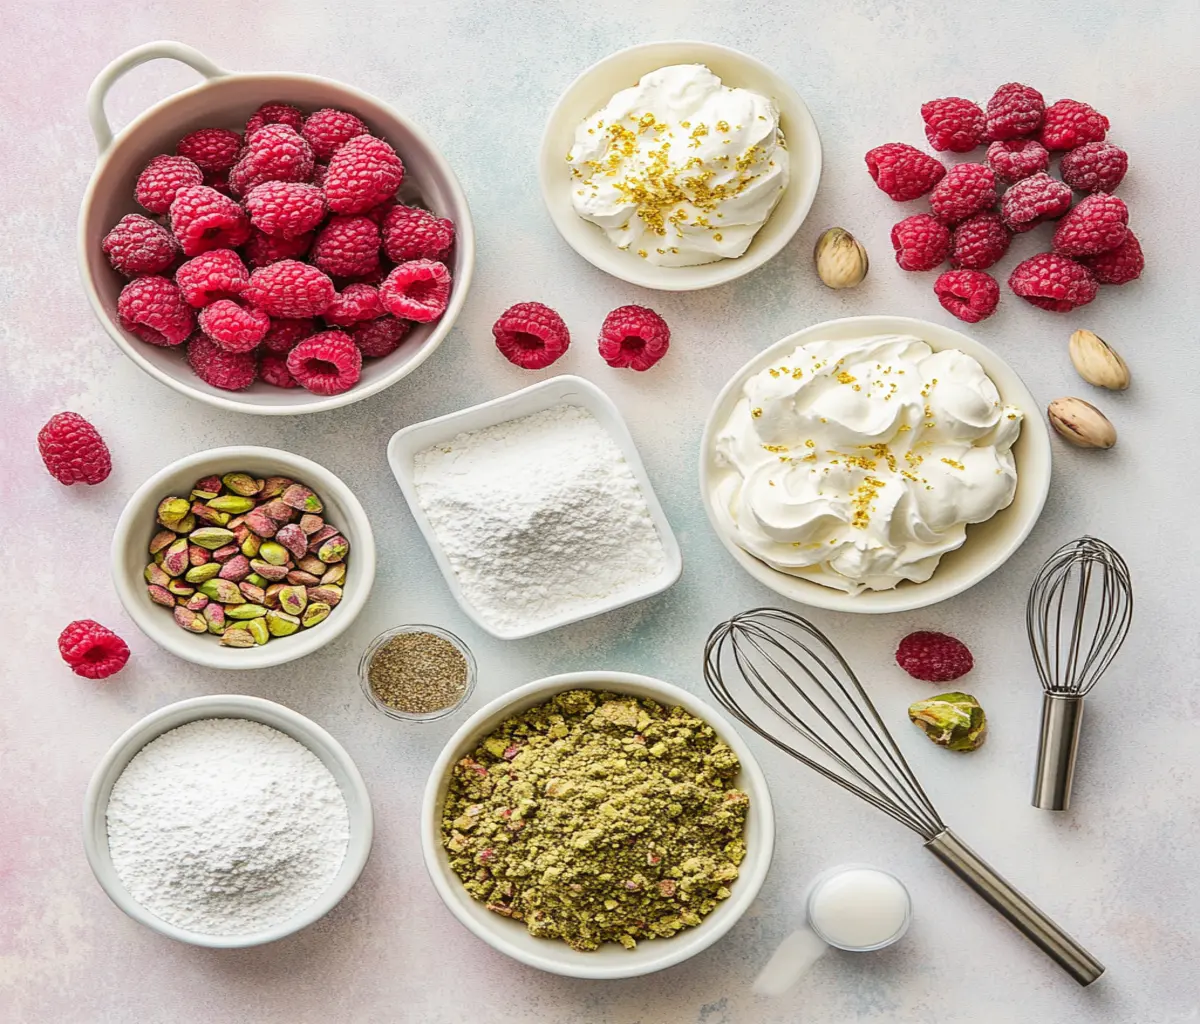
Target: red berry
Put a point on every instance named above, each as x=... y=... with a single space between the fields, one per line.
x=326 y=364
x=410 y=233
x=1069 y=123
x=138 y=245
x=275 y=112
x=262 y=249
x=155 y=310
x=417 y=290
x=531 y=335
x=272 y=369
x=634 y=336
x=285 y=209
x=289 y=289
x=921 y=242
x=1014 y=110
x=1033 y=200
x=362 y=173
x=1094 y=167
x=1053 y=282
x=92 y=650
x=275 y=152
x=347 y=247
x=971 y=295
x=979 y=241
x=1097 y=224
x=953 y=123
x=381 y=337
x=934 y=657
x=1017 y=158
x=285 y=335
x=211 y=149
x=966 y=189
x=235 y=328
x=354 y=303
x=902 y=171
x=216 y=274
x=328 y=130
x=1119 y=265
x=218 y=180
x=203 y=219
x=73 y=450
x=164 y=176
x=230 y=371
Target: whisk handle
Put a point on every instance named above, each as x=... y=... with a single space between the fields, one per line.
x=1028 y=919
x=1059 y=743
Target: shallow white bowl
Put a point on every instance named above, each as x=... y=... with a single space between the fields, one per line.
x=610 y=961
x=988 y=545
x=136 y=526
x=226 y=99
x=254 y=709
x=599 y=83
x=564 y=390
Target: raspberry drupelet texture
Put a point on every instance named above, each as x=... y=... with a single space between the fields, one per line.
x=235 y=328
x=347 y=246
x=965 y=190
x=1033 y=200
x=634 y=337
x=73 y=450
x=418 y=290
x=272 y=369
x=326 y=364
x=138 y=245
x=230 y=371
x=902 y=171
x=381 y=337
x=275 y=152
x=1015 y=159
x=216 y=274
x=154 y=309
x=275 y=112
x=289 y=289
x=1069 y=123
x=971 y=295
x=285 y=209
x=211 y=149
x=327 y=130
x=1120 y=265
x=92 y=650
x=1054 y=282
x=953 y=124
x=1097 y=224
x=1094 y=167
x=285 y=335
x=934 y=657
x=1013 y=111
x=979 y=241
x=203 y=219
x=161 y=181
x=363 y=173
x=410 y=233
x=921 y=242
x=262 y=249
x=353 y=304
x=531 y=335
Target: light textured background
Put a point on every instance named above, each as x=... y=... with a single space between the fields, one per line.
x=1119 y=870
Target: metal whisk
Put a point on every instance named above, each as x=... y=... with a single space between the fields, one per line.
x=781 y=676
x=1078 y=615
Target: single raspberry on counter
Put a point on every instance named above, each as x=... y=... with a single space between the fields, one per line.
x=262 y=249
x=1094 y=167
x=326 y=364
x=531 y=335
x=1014 y=110
x=1069 y=123
x=903 y=171
x=971 y=295
x=273 y=153
x=211 y=149
x=965 y=190
x=163 y=178
x=1015 y=159
x=92 y=650
x=327 y=130
x=73 y=450
x=285 y=335
x=417 y=290
x=216 y=274
x=203 y=219
x=410 y=233
x=381 y=337
x=285 y=209
x=235 y=328
x=230 y=371
x=347 y=246
x=289 y=289
x=921 y=242
x=275 y=112
x=272 y=369
x=934 y=657
x=353 y=304
x=634 y=337
x=979 y=241
x=363 y=173
x=1033 y=200
x=138 y=245
x=1054 y=282
x=154 y=309
x=1097 y=224
x=1120 y=265
x=953 y=124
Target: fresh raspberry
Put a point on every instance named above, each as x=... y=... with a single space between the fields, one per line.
x=327 y=363
x=285 y=209
x=921 y=242
x=378 y=338
x=211 y=149
x=73 y=450
x=153 y=308
x=1014 y=110
x=289 y=289
x=1119 y=265
x=285 y=335
x=1054 y=282
x=92 y=650
x=1015 y=159
x=275 y=112
x=347 y=247
x=138 y=245
x=1069 y=123
x=531 y=335
x=965 y=190
x=272 y=369
x=902 y=171
x=410 y=233
x=634 y=336
x=161 y=181
x=1097 y=224
x=953 y=123
x=934 y=657
x=216 y=274
x=971 y=295
x=1094 y=167
x=262 y=249
x=218 y=181
x=230 y=371
x=417 y=290
x=235 y=328
x=362 y=173
x=979 y=241
x=319 y=172
x=354 y=303
x=203 y=219
x=1033 y=200
x=273 y=153
x=328 y=130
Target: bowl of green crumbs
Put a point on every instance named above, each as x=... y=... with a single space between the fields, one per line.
x=417 y=673
x=597 y=825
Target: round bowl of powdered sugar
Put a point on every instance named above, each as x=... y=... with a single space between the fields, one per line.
x=227 y=821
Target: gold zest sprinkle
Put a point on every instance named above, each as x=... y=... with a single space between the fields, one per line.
x=756 y=412
x=775 y=447
x=846 y=378
x=954 y=464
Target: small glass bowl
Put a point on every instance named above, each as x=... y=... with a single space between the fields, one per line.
x=364 y=665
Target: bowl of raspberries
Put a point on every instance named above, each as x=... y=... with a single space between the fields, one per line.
x=271 y=243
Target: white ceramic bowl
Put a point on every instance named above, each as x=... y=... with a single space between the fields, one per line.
x=254 y=709
x=563 y=390
x=136 y=526
x=610 y=961
x=599 y=83
x=226 y=99
x=988 y=545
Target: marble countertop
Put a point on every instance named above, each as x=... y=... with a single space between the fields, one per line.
x=1118 y=870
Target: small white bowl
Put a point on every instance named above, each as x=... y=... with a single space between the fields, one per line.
x=137 y=525
x=332 y=755
x=563 y=390
x=599 y=83
x=610 y=961
x=988 y=545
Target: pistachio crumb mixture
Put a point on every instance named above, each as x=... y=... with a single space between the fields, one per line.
x=598 y=817
x=418 y=673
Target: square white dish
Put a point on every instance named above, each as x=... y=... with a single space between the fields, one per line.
x=563 y=390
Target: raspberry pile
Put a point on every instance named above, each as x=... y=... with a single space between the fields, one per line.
x=280 y=254
x=978 y=207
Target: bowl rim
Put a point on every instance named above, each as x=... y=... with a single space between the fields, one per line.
x=133 y=518
x=803 y=138
x=227 y=705
x=680 y=947
x=464 y=244
x=1033 y=474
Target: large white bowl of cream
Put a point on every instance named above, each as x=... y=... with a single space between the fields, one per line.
x=874 y=464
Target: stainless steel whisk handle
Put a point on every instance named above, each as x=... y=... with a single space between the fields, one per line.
x=1057 y=748
x=1024 y=915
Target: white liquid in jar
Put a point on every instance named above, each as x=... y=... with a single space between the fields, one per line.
x=859 y=908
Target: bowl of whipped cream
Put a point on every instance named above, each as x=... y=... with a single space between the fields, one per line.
x=679 y=165
x=874 y=464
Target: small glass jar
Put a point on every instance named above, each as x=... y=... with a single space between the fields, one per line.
x=364 y=673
